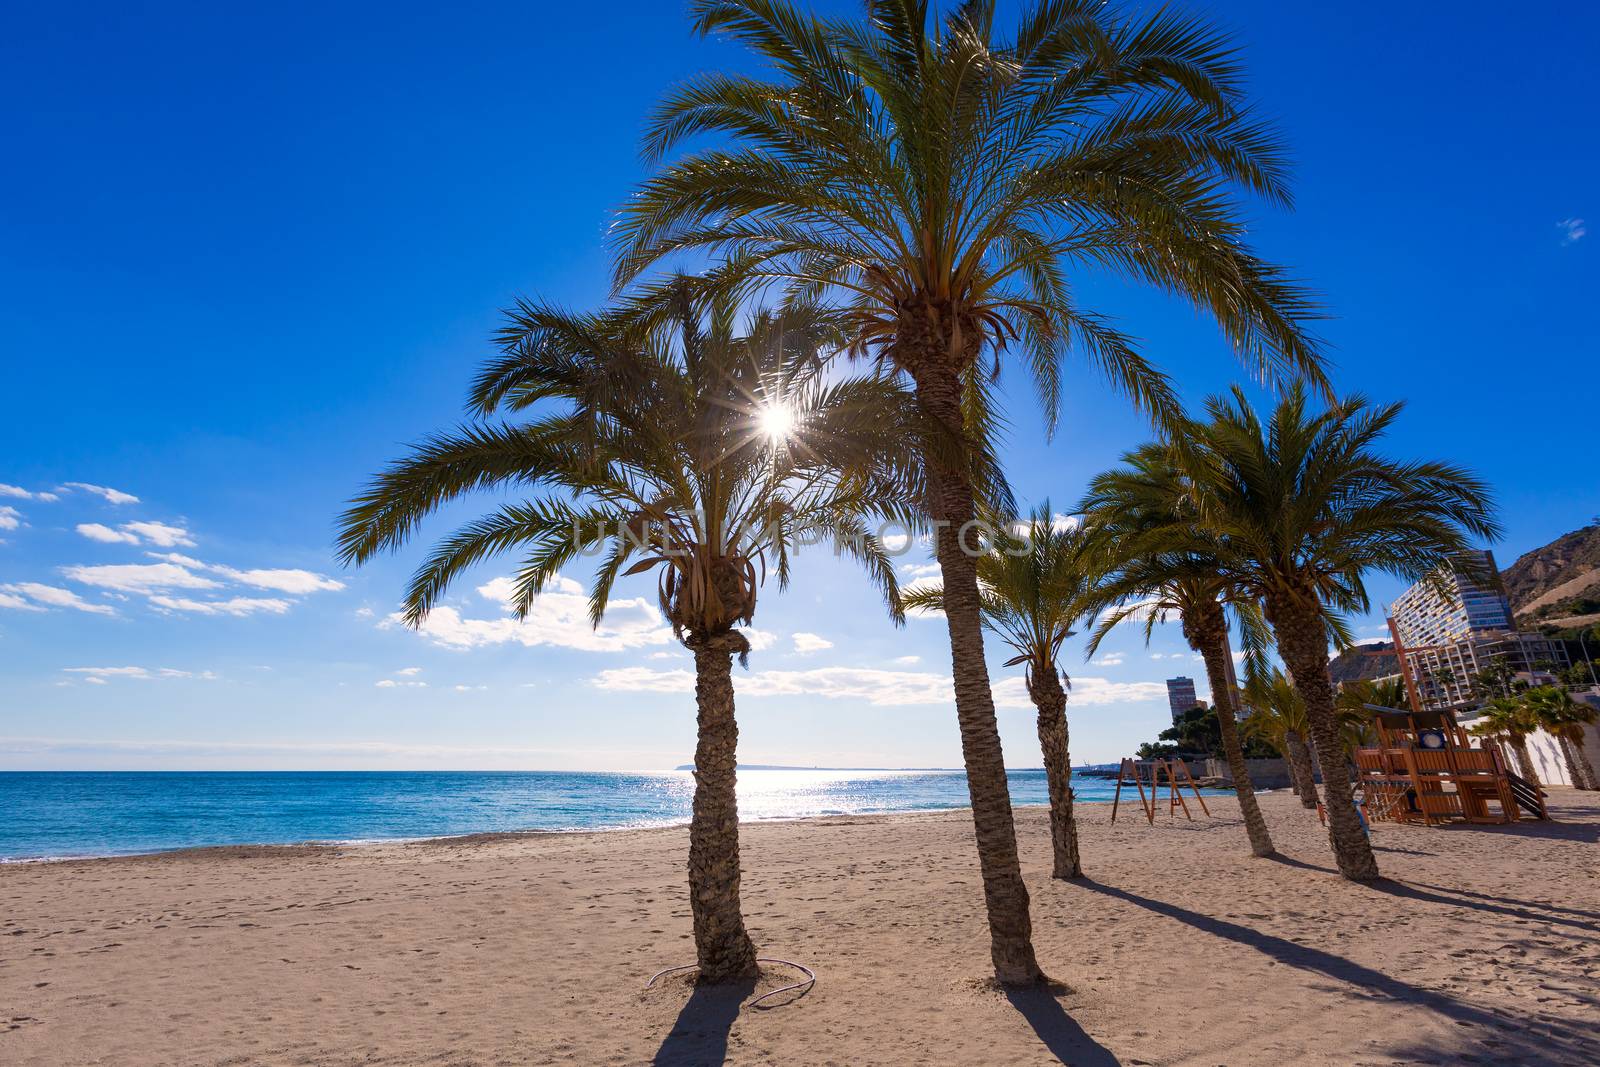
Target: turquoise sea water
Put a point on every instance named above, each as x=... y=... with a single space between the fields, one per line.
x=93 y=813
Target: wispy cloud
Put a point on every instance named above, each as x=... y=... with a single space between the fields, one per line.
x=391 y=683
x=559 y=617
x=879 y=688
x=95 y=531
x=10 y=517
x=19 y=493
x=101 y=675
x=805 y=643
x=112 y=496
x=160 y=534
x=50 y=596
x=1572 y=230
x=239 y=605
x=282 y=580
x=142 y=578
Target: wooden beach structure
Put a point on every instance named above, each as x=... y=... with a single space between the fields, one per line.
x=1424 y=769
x=1132 y=772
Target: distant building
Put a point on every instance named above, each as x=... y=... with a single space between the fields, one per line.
x=1458 y=626
x=1463 y=601
x=1180 y=696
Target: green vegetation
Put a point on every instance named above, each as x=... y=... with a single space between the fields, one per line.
x=657 y=457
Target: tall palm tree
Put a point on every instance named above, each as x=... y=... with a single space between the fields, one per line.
x=1303 y=506
x=654 y=454
x=943 y=186
x=1564 y=719
x=1278 y=717
x=1511 y=720
x=1154 y=560
x=1032 y=589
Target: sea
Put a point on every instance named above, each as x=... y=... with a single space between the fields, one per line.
x=62 y=815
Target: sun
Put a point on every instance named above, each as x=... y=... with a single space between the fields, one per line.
x=777 y=421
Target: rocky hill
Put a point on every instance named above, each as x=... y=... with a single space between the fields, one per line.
x=1562 y=579
x=1374 y=660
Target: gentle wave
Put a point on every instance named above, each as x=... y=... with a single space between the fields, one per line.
x=74 y=815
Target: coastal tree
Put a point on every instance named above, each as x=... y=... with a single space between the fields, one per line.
x=944 y=186
x=664 y=441
x=1032 y=591
x=1510 y=720
x=1564 y=719
x=1302 y=506
x=1153 y=560
x=1278 y=716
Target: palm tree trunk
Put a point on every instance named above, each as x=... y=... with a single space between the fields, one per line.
x=1574 y=773
x=722 y=947
x=1303 y=643
x=1299 y=757
x=1530 y=771
x=1581 y=758
x=1051 y=700
x=1208 y=635
x=938 y=392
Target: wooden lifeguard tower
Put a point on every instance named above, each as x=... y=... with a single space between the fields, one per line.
x=1424 y=769
x=1131 y=772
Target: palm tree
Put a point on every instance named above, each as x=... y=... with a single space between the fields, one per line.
x=1144 y=504
x=1510 y=719
x=1564 y=719
x=1303 y=506
x=1032 y=590
x=941 y=185
x=1278 y=717
x=657 y=458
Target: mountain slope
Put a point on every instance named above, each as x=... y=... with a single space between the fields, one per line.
x=1562 y=578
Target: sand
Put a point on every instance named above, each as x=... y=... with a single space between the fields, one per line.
x=1485 y=948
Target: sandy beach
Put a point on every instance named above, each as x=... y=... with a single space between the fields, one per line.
x=1483 y=948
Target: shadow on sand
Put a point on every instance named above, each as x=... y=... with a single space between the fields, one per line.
x=1066 y=1040
x=699 y=1036
x=1545 y=1041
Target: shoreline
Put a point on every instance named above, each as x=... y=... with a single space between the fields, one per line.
x=489 y=835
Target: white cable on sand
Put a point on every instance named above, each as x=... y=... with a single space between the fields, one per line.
x=810 y=979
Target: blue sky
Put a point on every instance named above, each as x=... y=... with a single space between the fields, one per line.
x=248 y=254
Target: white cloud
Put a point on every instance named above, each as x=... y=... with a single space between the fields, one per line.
x=53 y=596
x=468 y=688
x=805 y=643
x=760 y=640
x=22 y=494
x=239 y=605
x=294 y=582
x=17 y=603
x=364 y=613
x=919 y=570
x=10 y=518
x=879 y=688
x=95 y=531
x=142 y=578
x=408 y=671
x=113 y=496
x=1013 y=692
x=1110 y=659
x=390 y=683
x=1572 y=230
x=159 y=533
x=99 y=675
x=559 y=617
x=907 y=661
x=645 y=680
